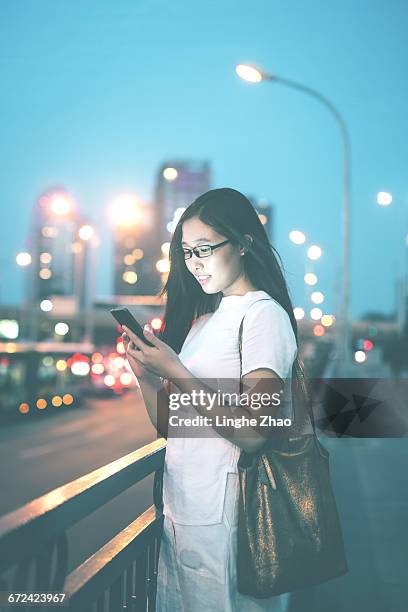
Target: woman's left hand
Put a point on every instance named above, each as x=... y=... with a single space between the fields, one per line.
x=159 y=359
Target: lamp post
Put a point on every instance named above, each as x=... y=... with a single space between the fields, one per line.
x=385 y=199
x=253 y=74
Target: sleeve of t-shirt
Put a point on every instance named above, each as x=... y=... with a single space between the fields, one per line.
x=268 y=340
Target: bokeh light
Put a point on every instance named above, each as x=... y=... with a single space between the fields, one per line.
x=170 y=174
x=61 y=329
x=310 y=278
x=316 y=314
x=299 y=313
x=360 y=356
x=23 y=259
x=317 y=297
x=297 y=237
x=46 y=305
x=314 y=252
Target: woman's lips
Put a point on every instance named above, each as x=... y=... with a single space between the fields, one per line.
x=203 y=278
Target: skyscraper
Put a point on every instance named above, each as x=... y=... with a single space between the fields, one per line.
x=60 y=277
x=136 y=247
x=53 y=233
x=178 y=184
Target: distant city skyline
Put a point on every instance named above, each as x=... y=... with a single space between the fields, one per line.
x=95 y=101
x=62 y=246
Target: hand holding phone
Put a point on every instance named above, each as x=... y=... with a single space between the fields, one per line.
x=124 y=317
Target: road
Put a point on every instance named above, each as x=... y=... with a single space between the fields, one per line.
x=41 y=454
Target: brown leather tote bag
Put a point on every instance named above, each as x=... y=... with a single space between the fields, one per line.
x=289 y=533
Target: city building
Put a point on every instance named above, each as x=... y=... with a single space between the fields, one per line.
x=60 y=275
x=178 y=184
x=53 y=233
x=136 y=247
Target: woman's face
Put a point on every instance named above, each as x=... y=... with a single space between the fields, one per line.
x=221 y=271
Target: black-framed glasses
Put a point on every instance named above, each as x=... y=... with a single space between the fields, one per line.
x=204 y=250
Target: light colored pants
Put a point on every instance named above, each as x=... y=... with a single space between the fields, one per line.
x=197 y=566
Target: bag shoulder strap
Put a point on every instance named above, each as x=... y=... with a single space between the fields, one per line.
x=240 y=338
x=309 y=407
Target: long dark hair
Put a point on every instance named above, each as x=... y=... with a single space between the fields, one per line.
x=232 y=215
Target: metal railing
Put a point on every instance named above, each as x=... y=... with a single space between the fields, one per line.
x=121 y=574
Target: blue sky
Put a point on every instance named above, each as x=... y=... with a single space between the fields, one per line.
x=97 y=93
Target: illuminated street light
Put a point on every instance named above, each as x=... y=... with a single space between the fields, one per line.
x=249 y=73
x=86 y=232
x=170 y=174
x=61 y=204
x=317 y=297
x=46 y=305
x=61 y=329
x=23 y=259
x=299 y=313
x=297 y=237
x=310 y=278
x=314 y=252
x=384 y=198
x=254 y=74
x=316 y=314
x=125 y=210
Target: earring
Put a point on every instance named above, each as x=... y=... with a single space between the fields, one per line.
x=246 y=249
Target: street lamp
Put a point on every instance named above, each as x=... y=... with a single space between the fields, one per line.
x=126 y=211
x=314 y=252
x=61 y=204
x=297 y=237
x=384 y=199
x=23 y=259
x=253 y=74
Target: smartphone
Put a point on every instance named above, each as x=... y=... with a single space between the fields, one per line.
x=124 y=317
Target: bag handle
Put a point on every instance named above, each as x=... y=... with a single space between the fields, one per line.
x=298 y=376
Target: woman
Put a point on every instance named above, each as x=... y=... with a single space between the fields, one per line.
x=223 y=270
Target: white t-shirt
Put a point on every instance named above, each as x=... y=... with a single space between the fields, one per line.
x=196 y=469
